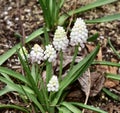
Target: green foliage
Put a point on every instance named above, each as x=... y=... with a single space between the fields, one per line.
x=88 y=107
x=39 y=96
x=113 y=76
x=90 y=6
x=3 y=106
x=105 y=19
x=31 y=86
x=111 y=95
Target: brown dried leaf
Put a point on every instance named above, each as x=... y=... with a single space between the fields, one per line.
x=85 y=82
x=97 y=83
x=92 y=83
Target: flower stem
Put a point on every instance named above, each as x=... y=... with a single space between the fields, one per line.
x=48 y=71
x=74 y=57
x=61 y=64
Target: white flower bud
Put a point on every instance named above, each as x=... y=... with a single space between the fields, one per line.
x=50 y=53
x=53 y=84
x=36 y=54
x=23 y=52
x=79 y=33
x=60 y=40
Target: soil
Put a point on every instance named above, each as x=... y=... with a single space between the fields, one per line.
x=32 y=19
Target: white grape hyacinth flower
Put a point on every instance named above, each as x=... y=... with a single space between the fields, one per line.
x=53 y=84
x=79 y=33
x=60 y=40
x=36 y=55
x=23 y=52
x=50 y=53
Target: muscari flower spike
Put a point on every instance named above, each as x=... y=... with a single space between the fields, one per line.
x=36 y=55
x=60 y=40
x=50 y=53
x=53 y=84
x=79 y=33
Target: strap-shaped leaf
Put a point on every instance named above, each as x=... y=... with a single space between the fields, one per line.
x=10 y=52
x=107 y=63
x=113 y=76
x=5 y=90
x=105 y=19
x=71 y=107
x=76 y=72
x=88 y=107
x=79 y=69
x=13 y=74
x=20 y=108
x=63 y=109
x=14 y=87
x=95 y=4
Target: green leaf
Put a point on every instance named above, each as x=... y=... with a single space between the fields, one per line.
x=71 y=107
x=93 y=38
x=32 y=81
x=79 y=69
x=95 y=4
x=112 y=95
x=113 y=76
x=63 y=109
x=105 y=19
x=20 y=108
x=114 y=50
x=88 y=107
x=5 y=90
x=76 y=72
x=12 y=85
x=13 y=74
x=10 y=52
x=36 y=102
x=106 y=63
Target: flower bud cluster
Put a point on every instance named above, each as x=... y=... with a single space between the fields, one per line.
x=79 y=33
x=37 y=54
x=60 y=40
x=53 y=84
x=50 y=53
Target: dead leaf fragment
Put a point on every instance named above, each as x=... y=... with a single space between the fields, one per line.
x=97 y=83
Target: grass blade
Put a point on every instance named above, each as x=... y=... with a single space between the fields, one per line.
x=106 y=63
x=104 y=19
x=63 y=109
x=13 y=74
x=93 y=38
x=112 y=95
x=79 y=69
x=5 y=90
x=76 y=72
x=113 y=76
x=10 y=52
x=71 y=107
x=88 y=107
x=95 y=4
x=20 y=108
x=114 y=50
